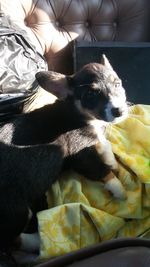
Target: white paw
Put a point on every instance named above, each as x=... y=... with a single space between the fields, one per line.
x=108 y=156
x=112 y=163
x=116 y=188
x=30 y=242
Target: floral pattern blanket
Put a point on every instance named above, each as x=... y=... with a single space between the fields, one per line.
x=81 y=212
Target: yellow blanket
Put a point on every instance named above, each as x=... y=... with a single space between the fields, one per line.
x=82 y=212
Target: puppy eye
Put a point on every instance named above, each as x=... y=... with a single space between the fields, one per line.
x=92 y=94
x=90 y=99
x=117 y=84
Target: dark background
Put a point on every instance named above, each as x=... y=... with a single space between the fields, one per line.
x=131 y=61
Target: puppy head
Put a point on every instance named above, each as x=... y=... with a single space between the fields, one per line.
x=96 y=90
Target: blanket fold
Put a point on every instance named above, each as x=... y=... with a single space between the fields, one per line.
x=81 y=212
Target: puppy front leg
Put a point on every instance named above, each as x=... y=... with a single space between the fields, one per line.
x=105 y=150
x=103 y=147
x=30 y=242
x=113 y=184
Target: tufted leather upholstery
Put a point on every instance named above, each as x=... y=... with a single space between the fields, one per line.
x=54 y=24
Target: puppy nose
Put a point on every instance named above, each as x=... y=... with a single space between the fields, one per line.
x=116 y=112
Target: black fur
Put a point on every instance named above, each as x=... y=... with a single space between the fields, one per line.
x=28 y=169
x=36 y=147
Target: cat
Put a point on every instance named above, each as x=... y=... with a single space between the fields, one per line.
x=37 y=146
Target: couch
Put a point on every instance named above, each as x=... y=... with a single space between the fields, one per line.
x=52 y=26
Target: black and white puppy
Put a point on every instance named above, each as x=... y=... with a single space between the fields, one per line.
x=37 y=146
x=97 y=94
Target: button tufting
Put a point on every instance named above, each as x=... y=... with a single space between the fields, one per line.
x=57 y=23
x=87 y=24
x=115 y=24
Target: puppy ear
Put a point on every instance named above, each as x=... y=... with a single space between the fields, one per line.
x=105 y=62
x=53 y=82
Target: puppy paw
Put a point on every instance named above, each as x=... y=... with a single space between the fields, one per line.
x=29 y=242
x=116 y=188
x=113 y=164
x=108 y=156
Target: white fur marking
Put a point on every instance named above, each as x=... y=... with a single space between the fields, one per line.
x=108 y=112
x=116 y=188
x=30 y=242
x=98 y=125
x=108 y=156
x=105 y=149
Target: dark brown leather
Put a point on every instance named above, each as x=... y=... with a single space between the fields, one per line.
x=128 y=252
x=53 y=24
